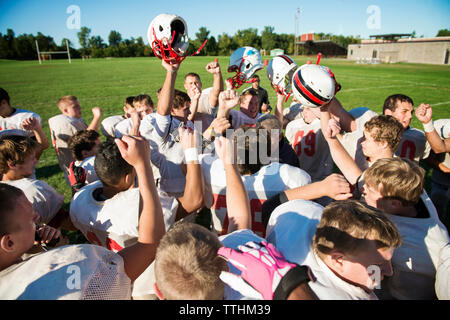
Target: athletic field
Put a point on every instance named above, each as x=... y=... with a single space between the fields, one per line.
x=107 y=82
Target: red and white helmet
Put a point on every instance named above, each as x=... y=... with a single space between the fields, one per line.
x=245 y=61
x=314 y=85
x=280 y=70
x=168 y=36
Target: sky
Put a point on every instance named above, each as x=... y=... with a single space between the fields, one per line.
x=63 y=18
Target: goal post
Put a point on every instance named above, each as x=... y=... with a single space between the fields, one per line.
x=41 y=53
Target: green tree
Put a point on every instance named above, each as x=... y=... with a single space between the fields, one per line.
x=247 y=37
x=268 y=38
x=443 y=33
x=226 y=45
x=114 y=38
x=83 y=36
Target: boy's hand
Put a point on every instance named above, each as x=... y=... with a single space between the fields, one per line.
x=134 y=150
x=228 y=99
x=97 y=112
x=30 y=124
x=424 y=113
x=170 y=67
x=213 y=67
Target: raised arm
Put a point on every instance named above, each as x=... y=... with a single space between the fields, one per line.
x=136 y=151
x=165 y=99
x=345 y=163
x=346 y=120
x=34 y=125
x=238 y=203
x=214 y=69
x=194 y=190
x=279 y=109
x=97 y=117
x=228 y=99
x=438 y=145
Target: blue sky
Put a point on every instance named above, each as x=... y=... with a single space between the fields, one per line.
x=131 y=18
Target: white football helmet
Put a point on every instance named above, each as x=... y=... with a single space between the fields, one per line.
x=245 y=61
x=280 y=70
x=314 y=85
x=167 y=34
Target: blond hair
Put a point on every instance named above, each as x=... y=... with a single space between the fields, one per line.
x=396 y=178
x=187 y=265
x=384 y=128
x=14 y=150
x=346 y=226
x=65 y=99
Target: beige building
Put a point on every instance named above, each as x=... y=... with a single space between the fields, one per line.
x=391 y=49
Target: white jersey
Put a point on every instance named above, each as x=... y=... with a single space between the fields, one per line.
x=238 y=118
x=88 y=166
x=351 y=141
x=114 y=223
x=414 y=145
x=205 y=111
x=293 y=112
x=311 y=148
x=123 y=128
x=108 y=125
x=63 y=127
x=14 y=121
x=233 y=240
x=291 y=229
x=442 y=127
x=268 y=181
x=45 y=200
x=74 y=272
x=415 y=261
x=166 y=153
x=442 y=285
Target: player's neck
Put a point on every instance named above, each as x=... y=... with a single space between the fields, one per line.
x=11 y=175
x=6 y=111
x=8 y=260
x=383 y=154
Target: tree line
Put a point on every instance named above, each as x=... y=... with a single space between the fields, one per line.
x=23 y=47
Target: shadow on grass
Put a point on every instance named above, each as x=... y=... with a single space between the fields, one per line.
x=47 y=171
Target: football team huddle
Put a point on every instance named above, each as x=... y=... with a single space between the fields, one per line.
x=207 y=194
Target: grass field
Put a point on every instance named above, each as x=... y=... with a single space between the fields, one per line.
x=107 y=82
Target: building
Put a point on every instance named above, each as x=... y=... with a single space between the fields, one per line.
x=391 y=48
x=313 y=47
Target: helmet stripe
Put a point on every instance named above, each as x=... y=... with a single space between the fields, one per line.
x=286 y=58
x=307 y=92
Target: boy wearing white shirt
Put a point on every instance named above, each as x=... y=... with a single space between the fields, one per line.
x=65 y=125
x=17 y=163
x=396 y=186
x=342 y=245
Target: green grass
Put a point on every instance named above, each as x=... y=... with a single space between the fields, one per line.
x=107 y=82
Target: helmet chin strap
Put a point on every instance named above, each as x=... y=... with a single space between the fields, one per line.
x=162 y=48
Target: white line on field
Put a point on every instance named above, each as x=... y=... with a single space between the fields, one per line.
x=439 y=103
x=382 y=87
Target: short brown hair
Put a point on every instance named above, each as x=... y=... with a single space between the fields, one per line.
x=8 y=200
x=192 y=74
x=400 y=179
x=250 y=150
x=187 y=265
x=247 y=92
x=65 y=99
x=384 y=128
x=347 y=225
x=143 y=98
x=391 y=101
x=82 y=140
x=179 y=99
x=14 y=150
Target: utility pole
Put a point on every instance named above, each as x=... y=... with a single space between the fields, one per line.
x=297 y=14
